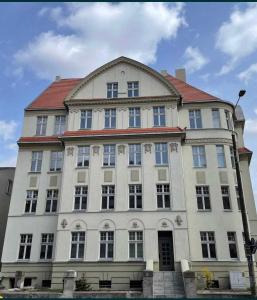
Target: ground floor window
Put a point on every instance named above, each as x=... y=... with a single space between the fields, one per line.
x=25 y=246
x=77 y=245
x=106 y=244
x=136 y=244
x=232 y=244
x=47 y=241
x=208 y=244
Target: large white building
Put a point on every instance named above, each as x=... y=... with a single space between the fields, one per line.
x=123 y=167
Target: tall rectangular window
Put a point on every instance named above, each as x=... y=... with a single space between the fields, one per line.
x=161 y=153
x=159 y=115
x=203 y=197
x=56 y=161
x=232 y=244
x=228 y=119
x=106 y=244
x=110 y=118
x=51 y=201
x=80 y=202
x=77 y=245
x=199 y=158
x=195 y=119
x=232 y=157
x=112 y=90
x=225 y=197
x=133 y=89
x=108 y=194
x=216 y=117
x=163 y=195
x=135 y=196
x=83 y=156
x=134 y=154
x=136 y=244
x=36 y=161
x=134 y=117
x=25 y=246
x=47 y=243
x=31 y=201
x=86 y=119
x=208 y=244
x=238 y=198
x=59 y=127
x=109 y=155
x=41 y=125
x=221 y=156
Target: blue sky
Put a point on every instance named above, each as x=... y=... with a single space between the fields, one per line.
x=215 y=42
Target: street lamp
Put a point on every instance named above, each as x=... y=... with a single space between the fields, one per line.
x=250 y=243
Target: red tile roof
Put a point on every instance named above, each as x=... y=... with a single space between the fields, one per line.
x=244 y=150
x=54 y=95
x=123 y=131
x=36 y=139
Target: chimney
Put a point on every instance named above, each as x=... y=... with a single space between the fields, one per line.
x=181 y=74
x=57 y=77
x=164 y=72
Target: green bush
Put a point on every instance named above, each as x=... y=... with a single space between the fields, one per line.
x=82 y=284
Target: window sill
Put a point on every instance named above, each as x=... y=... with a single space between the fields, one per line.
x=76 y=259
x=227 y=210
x=159 y=166
x=205 y=167
x=23 y=261
x=29 y=214
x=34 y=172
x=108 y=167
x=76 y=211
x=105 y=260
x=107 y=210
x=106 y=128
x=210 y=259
x=159 y=126
x=204 y=210
x=85 y=128
x=45 y=260
x=135 y=259
x=135 y=209
x=82 y=167
x=54 y=172
x=164 y=209
x=50 y=213
x=134 y=166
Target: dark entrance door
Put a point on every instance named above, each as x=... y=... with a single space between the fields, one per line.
x=166 y=255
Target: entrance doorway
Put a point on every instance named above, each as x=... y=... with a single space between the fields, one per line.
x=166 y=253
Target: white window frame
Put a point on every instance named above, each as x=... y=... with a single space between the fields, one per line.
x=195 y=119
x=161 y=148
x=37 y=157
x=32 y=200
x=112 y=90
x=221 y=157
x=81 y=192
x=26 y=242
x=60 y=124
x=83 y=156
x=47 y=241
x=52 y=198
x=159 y=112
x=108 y=191
x=56 y=161
x=134 y=116
x=226 y=195
x=135 y=191
x=135 y=152
x=133 y=88
x=136 y=241
x=203 y=194
x=232 y=239
x=41 y=125
x=199 y=156
x=86 y=117
x=207 y=241
x=110 y=118
x=216 y=118
x=109 y=155
x=163 y=191
x=105 y=239
x=79 y=239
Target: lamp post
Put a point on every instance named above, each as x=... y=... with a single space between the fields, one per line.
x=250 y=244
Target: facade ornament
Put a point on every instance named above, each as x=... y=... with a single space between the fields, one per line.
x=134 y=225
x=122 y=108
x=178 y=220
x=148 y=148
x=96 y=149
x=64 y=223
x=121 y=149
x=146 y=107
x=174 y=147
x=97 y=109
x=70 y=151
x=74 y=110
x=106 y=226
x=78 y=226
x=164 y=225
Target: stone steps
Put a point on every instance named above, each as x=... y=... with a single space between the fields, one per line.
x=168 y=284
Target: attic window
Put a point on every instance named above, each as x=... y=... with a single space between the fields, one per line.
x=112 y=90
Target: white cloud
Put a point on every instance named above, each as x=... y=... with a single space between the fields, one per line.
x=7 y=130
x=248 y=73
x=194 y=59
x=251 y=126
x=99 y=32
x=238 y=36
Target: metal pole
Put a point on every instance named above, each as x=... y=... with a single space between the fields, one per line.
x=248 y=252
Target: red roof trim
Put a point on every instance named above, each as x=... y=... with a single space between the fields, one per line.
x=244 y=150
x=39 y=139
x=156 y=130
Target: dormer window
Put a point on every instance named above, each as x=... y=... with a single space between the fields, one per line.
x=112 y=90
x=133 y=89
x=41 y=125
